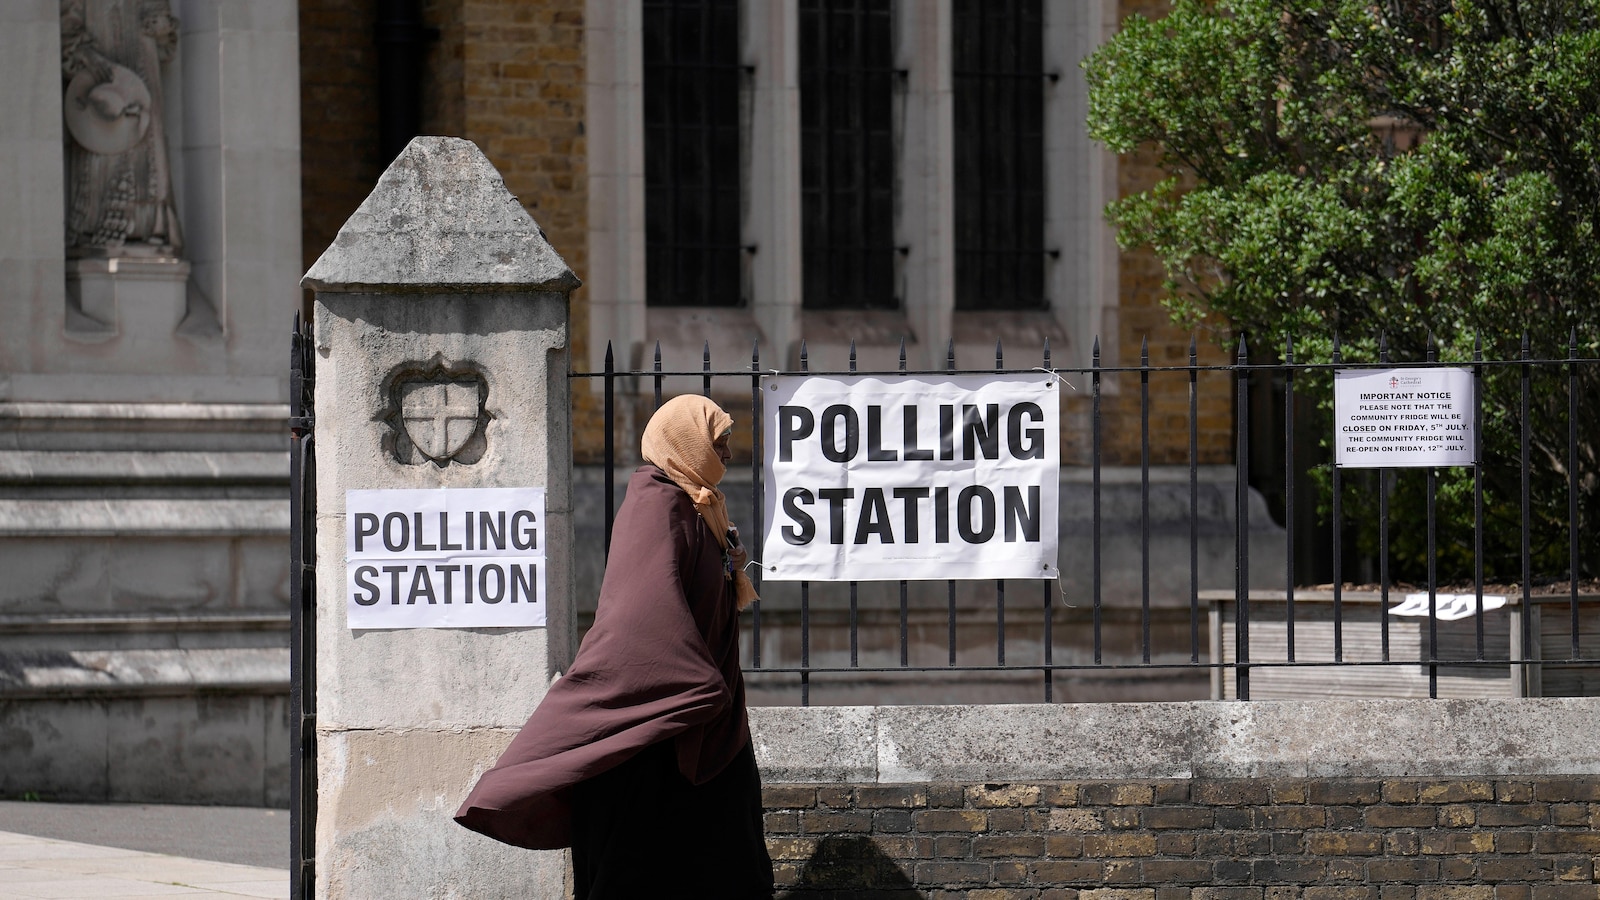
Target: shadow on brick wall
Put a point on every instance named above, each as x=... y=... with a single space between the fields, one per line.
x=850 y=867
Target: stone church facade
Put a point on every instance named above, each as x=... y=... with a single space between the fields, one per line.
x=172 y=167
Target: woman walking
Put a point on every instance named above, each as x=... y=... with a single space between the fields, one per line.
x=640 y=758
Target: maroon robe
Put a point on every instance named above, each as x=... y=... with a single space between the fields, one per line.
x=660 y=664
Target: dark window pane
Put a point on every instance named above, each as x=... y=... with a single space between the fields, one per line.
x=691 y=152
x=998 y=78
x=847 y=154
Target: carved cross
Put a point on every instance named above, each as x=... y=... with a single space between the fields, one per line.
x=439 y=417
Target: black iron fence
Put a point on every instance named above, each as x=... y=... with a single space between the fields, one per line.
x=1307 y=641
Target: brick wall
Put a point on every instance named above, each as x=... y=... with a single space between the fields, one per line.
x=339 y=158
x=1226 y=839
x=1141 y=317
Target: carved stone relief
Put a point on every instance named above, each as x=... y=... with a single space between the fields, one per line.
x=119 y=179
x=436 y=414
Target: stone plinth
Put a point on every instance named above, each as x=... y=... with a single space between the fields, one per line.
x=143 y=296
x=439 y=274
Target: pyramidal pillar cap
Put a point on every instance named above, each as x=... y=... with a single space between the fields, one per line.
x=440 y=221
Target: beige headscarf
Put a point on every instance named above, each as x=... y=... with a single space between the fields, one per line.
x=679 y=441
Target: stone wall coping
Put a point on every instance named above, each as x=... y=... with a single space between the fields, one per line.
x=34 y=467
x=145 y=518
x=82 y=674
x=1208 y=739
x=47 y=413
x=159 y=623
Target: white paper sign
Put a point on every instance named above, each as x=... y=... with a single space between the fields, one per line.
x=874 y=478
x=1403 y=417
x=467 y=558
x=1447 y=607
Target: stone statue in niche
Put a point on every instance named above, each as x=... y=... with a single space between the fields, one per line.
x=119 y=180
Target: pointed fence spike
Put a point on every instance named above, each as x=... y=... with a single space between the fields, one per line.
x=608 y=356
x=1047 y=351
x=658 y=356
x=1244 y=350
x=852 y=354
x=1288 y=349
x=1097 y=346
x=1477 y=345
x=805 y=358
x=950 y=355
x=902 y=353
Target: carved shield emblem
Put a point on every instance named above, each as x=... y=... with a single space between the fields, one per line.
x=440 y=415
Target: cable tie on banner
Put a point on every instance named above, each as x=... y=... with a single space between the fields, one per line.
x=1054 y=374
x=1061 y=588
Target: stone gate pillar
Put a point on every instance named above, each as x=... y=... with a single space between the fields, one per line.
x=441 y=326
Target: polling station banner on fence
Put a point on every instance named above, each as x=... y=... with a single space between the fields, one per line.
x=882 y=478
x=445 y=558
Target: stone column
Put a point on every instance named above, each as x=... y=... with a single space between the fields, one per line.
x=440 y=274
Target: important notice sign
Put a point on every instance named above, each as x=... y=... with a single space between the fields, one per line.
x=468 y=558
x=1403 y=417
x=914 y=477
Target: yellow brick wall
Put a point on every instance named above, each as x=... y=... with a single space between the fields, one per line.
x=339 y=117
x=1139 y=317
x=509 y=76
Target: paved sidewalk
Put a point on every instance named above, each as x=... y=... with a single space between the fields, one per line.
x=36 y=867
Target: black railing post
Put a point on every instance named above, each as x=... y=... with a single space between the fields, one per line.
x=757 y=497
x=805 y=592
x=1477 y=483
x=1572 y=486
x=950 y=585
x=905 y=659
x=1194 y=502
x=610 y=431
x=1288 y=492
x=1000 y=584
x=854 y=592
x=1241 y=519
x=1433 y=562
x=1338 y=537
x=1094 y=464
x=657 y=378
x=1383 y=532
x=1144 y=499
x=1528 y=618
x=1049 y=588
x=302 y=617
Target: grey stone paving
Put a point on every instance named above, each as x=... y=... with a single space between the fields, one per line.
x=34 y=868
x=240 y=835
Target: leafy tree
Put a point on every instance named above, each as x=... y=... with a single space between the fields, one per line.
x=1386 y=167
